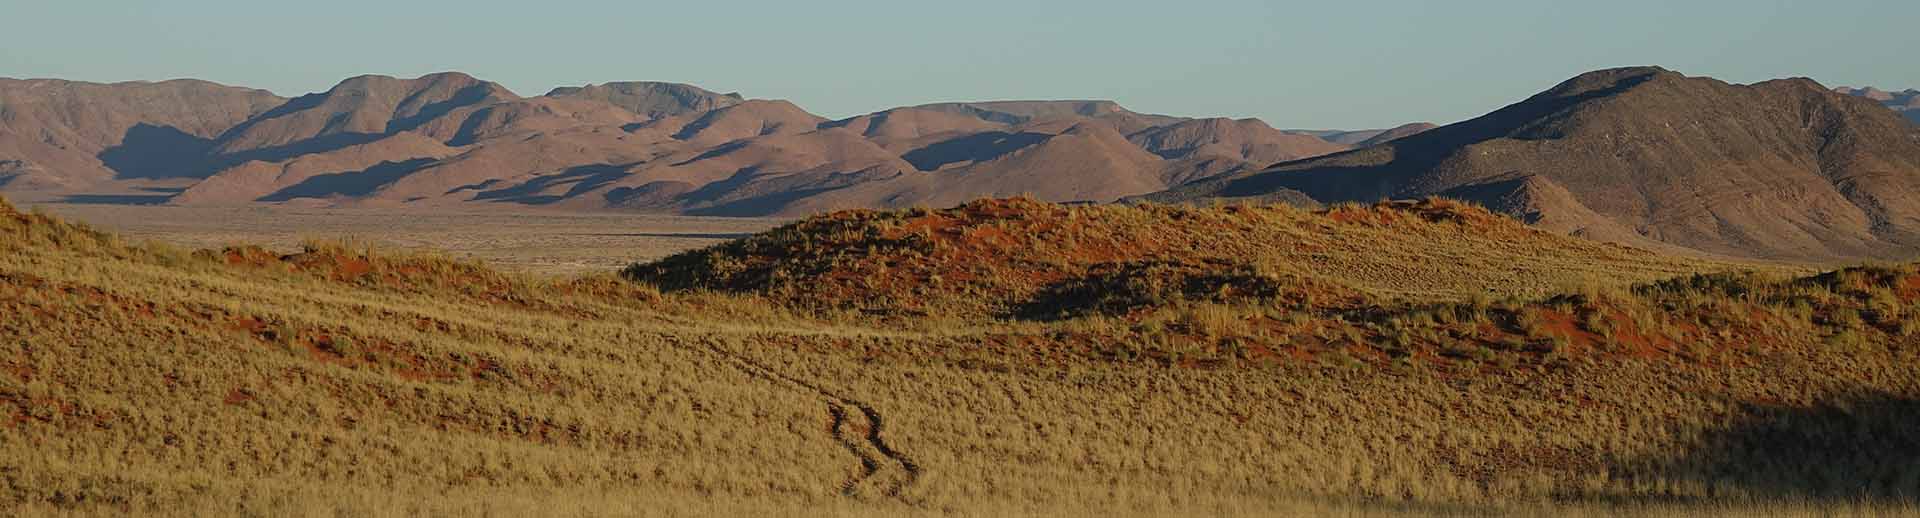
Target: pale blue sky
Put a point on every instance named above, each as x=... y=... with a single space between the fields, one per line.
x=1327 y=64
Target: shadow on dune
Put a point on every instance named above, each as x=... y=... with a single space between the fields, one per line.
x=356 y=183
x=1856 y=449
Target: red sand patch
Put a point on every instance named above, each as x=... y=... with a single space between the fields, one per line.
x=238 y=396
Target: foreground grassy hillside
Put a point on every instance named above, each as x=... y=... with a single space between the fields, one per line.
x=1211 y=360
x=991 y=256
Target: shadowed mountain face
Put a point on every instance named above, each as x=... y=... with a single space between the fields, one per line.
x=1245 y=139
x=1368 y=138
x=66 y=134
x=359 y=110
x=1780 y=169
x=451 y=139
x=1396 y=133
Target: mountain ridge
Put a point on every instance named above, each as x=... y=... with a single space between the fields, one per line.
x=1907 y=102
x=449 y=138
x=1642 y=155
x=57 y=133
x=1776 y=169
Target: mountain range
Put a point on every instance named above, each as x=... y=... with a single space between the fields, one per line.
x=452 y=139
x=1785 y=169
x=1906 y=102
x=1779 y=169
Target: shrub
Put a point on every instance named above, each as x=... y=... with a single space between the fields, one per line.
x=1845 y=318
x=1530 y=323
x=1909 y=324
x=1597 y=323
x=1848 y=340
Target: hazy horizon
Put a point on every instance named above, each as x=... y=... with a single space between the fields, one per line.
x=1309 y=66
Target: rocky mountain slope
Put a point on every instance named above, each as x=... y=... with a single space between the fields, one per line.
x=66 y=134
x=1779 y=169
x=452 y=139
x=1364 y=138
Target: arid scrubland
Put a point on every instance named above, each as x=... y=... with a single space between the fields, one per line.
x=506 y=238
x=1001 y=358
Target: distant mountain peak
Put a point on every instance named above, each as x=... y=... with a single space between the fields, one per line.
x=355 y=111
x=1022 y=111
x=653 y=99
x=449 y=138
x=1778 y=169
x=1907 y=102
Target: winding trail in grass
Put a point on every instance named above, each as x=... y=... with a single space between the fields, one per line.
x=882 y=455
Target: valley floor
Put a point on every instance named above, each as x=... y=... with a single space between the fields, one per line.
x=535 y=241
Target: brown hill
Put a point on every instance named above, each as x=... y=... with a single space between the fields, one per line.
x=1251 y=140
x=744 y=120
x=835 y=168
x=1017 y=112
x=934 y=159
x=1355 y=138
x=68 y=134
x=1780 y=169
x=350 y=171
x=450 y=139
x=343 y=381
x=1342 y=137
x=1906 y=102
x=1396 y=133
x=755 y=176
x=766 y=158
x=1067 y=112
x=929 y=158
x=521 y=117
x=900 y=128
x=573 y=162
x=514 y=169
x=1000 y=256
x=358 y=110
x=1204 y=148
x=650 y=99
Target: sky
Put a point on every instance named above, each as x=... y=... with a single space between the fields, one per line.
x=1325 y=64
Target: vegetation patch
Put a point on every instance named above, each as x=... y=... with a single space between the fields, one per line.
x=1008 y=257
x=1171 y=375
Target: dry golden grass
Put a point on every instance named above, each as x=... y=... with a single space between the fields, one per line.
x=153 y=380
x=506 y=237
x=991 y=256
